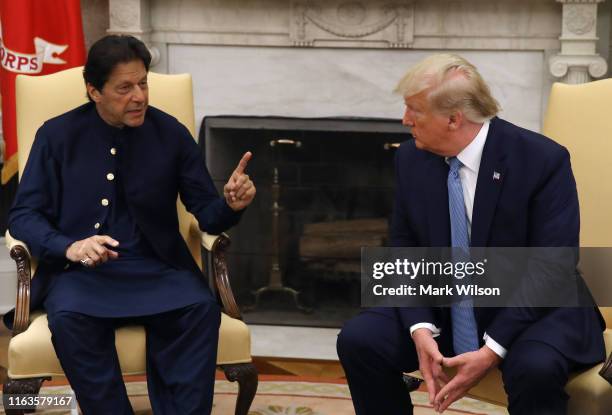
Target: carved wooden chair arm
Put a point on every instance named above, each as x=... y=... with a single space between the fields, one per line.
x=21 y=254
x=216 y=246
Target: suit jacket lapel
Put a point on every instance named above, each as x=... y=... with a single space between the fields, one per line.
x=437 y=202
x=488 y=186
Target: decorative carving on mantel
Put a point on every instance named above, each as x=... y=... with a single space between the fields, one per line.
x=579 y=20
x=344 y=22
x=298 y=27
x=578 y=62
x=129 y=16
x=124 y=16
x=577 y=69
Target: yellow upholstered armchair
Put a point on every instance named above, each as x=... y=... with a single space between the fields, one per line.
x=578 y=117
x=31 y=357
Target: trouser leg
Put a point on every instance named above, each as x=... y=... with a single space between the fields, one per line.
x=86 y=350
x=181 y=359
x=374 y=351
x=534 y=376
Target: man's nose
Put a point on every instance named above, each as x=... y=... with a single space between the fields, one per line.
x=407 y=120
x=138 y=95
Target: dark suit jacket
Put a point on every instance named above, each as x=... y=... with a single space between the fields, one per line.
x=534 y=203
x=59 y=196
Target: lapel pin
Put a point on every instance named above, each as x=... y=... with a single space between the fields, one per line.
x=496 y=175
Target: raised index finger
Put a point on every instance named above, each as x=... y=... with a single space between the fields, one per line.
x=243 y=162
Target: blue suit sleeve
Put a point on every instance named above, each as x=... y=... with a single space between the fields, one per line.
x=34 y=214
x=197 y=190
x=401 y=235
x=554 y=219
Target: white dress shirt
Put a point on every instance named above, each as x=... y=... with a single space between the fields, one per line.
x=470 y=159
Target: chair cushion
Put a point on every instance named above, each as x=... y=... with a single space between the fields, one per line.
x=589 y=393
x=31 y=353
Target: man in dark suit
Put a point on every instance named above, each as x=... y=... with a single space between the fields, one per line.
x=471 y=179
x=97 y=207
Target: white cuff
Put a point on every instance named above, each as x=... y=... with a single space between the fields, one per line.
x=434 y=330
x=496 y=347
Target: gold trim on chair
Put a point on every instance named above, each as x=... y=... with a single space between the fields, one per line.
x=11 y=166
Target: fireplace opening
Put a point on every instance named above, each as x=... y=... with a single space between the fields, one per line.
x=324 y=190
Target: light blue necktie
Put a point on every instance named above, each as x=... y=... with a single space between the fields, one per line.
x=465 y=332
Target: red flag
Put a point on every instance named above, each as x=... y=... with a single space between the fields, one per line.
x=38 y=37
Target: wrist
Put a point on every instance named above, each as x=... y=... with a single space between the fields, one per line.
x=421 y=334
x=492 y=358
x=229 y=204
x=67 y=253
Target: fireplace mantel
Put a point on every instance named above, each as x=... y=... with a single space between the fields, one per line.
x=441 y=24
x=521 y=45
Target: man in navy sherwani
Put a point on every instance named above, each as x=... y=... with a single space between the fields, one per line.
x=97 y=206
x=470 y=179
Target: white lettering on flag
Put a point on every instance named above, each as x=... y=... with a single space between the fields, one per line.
x=46 y=52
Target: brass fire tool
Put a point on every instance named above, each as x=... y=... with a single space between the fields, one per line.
x=275 y=280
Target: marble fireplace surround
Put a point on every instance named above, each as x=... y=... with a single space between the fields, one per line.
x=329 y=58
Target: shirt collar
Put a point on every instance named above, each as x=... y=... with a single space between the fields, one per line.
x=100 y=124
x=470 y=156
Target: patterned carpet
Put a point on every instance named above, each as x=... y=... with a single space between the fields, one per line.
x=314 y=398
x=291 y=398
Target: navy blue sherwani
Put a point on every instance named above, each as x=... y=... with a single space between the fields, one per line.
x=84 y=177
x=532 y=203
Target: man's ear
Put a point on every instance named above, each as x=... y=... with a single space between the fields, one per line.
x=93 y=93
x=455 y=119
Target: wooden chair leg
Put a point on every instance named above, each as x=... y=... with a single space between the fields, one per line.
x=246 y=375
x=29 y=386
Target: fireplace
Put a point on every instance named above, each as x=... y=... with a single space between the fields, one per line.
x=324 y=189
